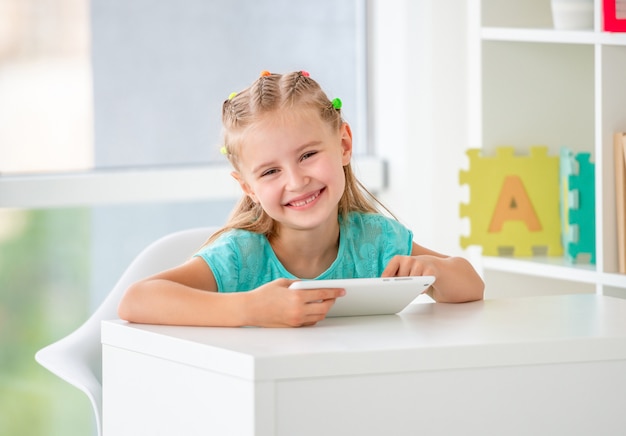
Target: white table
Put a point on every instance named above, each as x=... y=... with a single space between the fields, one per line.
x=542 y=366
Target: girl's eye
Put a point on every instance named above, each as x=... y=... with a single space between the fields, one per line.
x=269 y=172
x=308 y=155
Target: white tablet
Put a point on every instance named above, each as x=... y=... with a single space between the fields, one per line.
x=377 y=296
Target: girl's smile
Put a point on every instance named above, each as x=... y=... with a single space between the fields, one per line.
x=305 y=200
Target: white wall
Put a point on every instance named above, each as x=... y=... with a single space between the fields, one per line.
x=418 y=74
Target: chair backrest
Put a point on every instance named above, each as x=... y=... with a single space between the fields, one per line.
x=77 y=358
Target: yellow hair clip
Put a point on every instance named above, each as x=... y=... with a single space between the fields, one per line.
x=232 y=95
x=223 y=150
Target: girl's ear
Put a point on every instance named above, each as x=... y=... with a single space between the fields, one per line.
x=346 y=143
x=244 y=186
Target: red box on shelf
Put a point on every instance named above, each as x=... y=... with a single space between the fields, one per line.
x=614 y=14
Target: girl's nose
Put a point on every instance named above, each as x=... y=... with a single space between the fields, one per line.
x=297 y=179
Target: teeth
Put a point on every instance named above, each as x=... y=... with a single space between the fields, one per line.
x=301 y=203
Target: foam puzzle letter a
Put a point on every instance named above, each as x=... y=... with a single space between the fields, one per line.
x=514 y=202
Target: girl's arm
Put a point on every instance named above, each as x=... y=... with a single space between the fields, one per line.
x=456 y=280
x=187 y=295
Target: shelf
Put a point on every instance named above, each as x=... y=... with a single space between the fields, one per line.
x=551 y=267
x=538 y=85
x=607 y=38
x=554 y=268
x=588 y=37
x=615 y=280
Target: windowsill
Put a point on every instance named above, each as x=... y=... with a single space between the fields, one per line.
x=139 y=185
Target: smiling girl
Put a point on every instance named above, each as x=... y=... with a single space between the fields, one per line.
x=303 y=215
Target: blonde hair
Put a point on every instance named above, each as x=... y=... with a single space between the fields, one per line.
x=282 y=92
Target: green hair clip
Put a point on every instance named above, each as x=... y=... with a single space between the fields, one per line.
x=337 y=103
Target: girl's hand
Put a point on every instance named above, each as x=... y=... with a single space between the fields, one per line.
x=404 y=266
x=275 y=305
x=456 y=280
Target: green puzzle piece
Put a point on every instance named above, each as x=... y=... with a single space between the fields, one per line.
x=578 y=218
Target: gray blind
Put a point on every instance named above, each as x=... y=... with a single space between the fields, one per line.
x=162 y=68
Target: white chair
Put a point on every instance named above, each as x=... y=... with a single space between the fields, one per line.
x=77 y=358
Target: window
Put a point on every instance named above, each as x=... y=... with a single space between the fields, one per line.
x=45 y=86
x=109 y=119
x=44 y=283
x=160 y=72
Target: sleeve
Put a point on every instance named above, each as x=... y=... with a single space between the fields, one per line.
x=222 y=256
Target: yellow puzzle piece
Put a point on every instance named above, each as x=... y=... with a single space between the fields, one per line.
x=514 y=202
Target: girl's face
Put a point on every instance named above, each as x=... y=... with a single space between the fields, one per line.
x=291 y=163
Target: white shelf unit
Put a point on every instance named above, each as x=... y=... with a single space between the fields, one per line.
x=533 y=85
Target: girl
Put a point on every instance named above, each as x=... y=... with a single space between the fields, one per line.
x=303 y=215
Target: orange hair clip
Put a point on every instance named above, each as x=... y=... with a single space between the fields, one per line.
x=265 y=73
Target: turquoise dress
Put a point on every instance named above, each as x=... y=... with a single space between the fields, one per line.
x=242 y=260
